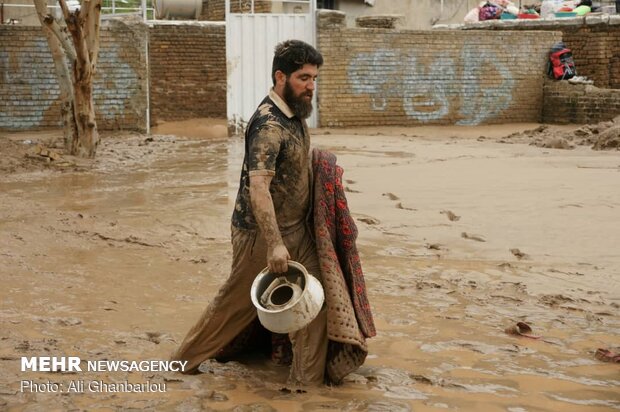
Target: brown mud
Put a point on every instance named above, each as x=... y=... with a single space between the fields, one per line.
x=461 y=238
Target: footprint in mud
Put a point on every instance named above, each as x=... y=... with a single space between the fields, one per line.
x=477 y=238
x=369 y=220
x=348 y=189
x=399 y=205
x=391 y=196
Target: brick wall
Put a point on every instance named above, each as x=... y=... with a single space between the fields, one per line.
x=578 y=103
x=596 y=50
x=594 y=40
x=29 y=90
x=401 y=77
x=187 y=68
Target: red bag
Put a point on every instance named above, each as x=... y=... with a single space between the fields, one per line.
x=561 y=63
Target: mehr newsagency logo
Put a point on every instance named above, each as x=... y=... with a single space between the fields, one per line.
x=74 y=364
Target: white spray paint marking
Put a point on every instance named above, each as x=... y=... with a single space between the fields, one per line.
x=363 y=76
x=480 y=101
x=429 y=91
x=425 y=97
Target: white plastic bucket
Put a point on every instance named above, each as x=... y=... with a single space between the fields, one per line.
x=288 y=301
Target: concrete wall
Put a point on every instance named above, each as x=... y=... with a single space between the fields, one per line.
x=417 y=14
x=187 y=70
x=402 y=77
x=594 y=40
x=578 y=103
x=29 y=90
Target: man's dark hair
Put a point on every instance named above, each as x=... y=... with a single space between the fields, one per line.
x=291 y=55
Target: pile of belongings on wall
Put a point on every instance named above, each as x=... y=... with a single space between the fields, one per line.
x=507 y=10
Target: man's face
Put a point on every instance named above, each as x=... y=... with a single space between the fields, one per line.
x=299 y=89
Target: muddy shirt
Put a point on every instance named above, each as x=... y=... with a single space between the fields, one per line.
x=277 y=144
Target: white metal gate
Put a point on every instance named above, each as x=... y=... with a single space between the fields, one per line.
x=250 y=42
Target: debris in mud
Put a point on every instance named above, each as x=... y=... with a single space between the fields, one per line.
x=521 y=329
x=155 y=337
x=146 y=141
x=608 y=140
x=254 y=407
x=518 y=254
x=450 y=215
x=42 y=153
x=423 y=284
x=433 y=246
x=287 y=390
x=606 y=355
x=600 y=136
x=62 y=321
x=212 y=395
x=23 y=346
x=477 y=238
x=128 y=239
x=553 y=143
x=554 y=300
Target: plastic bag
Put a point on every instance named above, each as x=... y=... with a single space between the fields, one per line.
x=472 y=15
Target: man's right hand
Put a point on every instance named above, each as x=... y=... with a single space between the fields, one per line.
x=277 y=259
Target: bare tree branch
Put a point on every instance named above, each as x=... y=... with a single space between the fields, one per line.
x=91 y=28
x=59 y=50
x=62 y=36
x=48 y=20
x=64 y=8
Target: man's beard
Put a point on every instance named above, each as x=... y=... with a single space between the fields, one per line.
x=298 y=104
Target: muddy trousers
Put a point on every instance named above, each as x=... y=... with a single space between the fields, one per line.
x=231 y=311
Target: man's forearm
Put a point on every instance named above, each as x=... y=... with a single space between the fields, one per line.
x=264 y=213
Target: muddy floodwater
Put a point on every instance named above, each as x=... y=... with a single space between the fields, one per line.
x=461 y=237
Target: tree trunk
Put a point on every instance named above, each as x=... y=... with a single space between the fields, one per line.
x=83 y=106
x=79 y=50
x=84 y=109
x=53 y=32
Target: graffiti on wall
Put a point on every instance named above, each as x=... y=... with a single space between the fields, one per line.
x=32 y=87
x=428 y=88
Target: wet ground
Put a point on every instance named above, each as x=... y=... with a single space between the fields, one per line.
x=460 y=239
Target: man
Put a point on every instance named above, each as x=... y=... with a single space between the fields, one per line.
x=269 y=223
